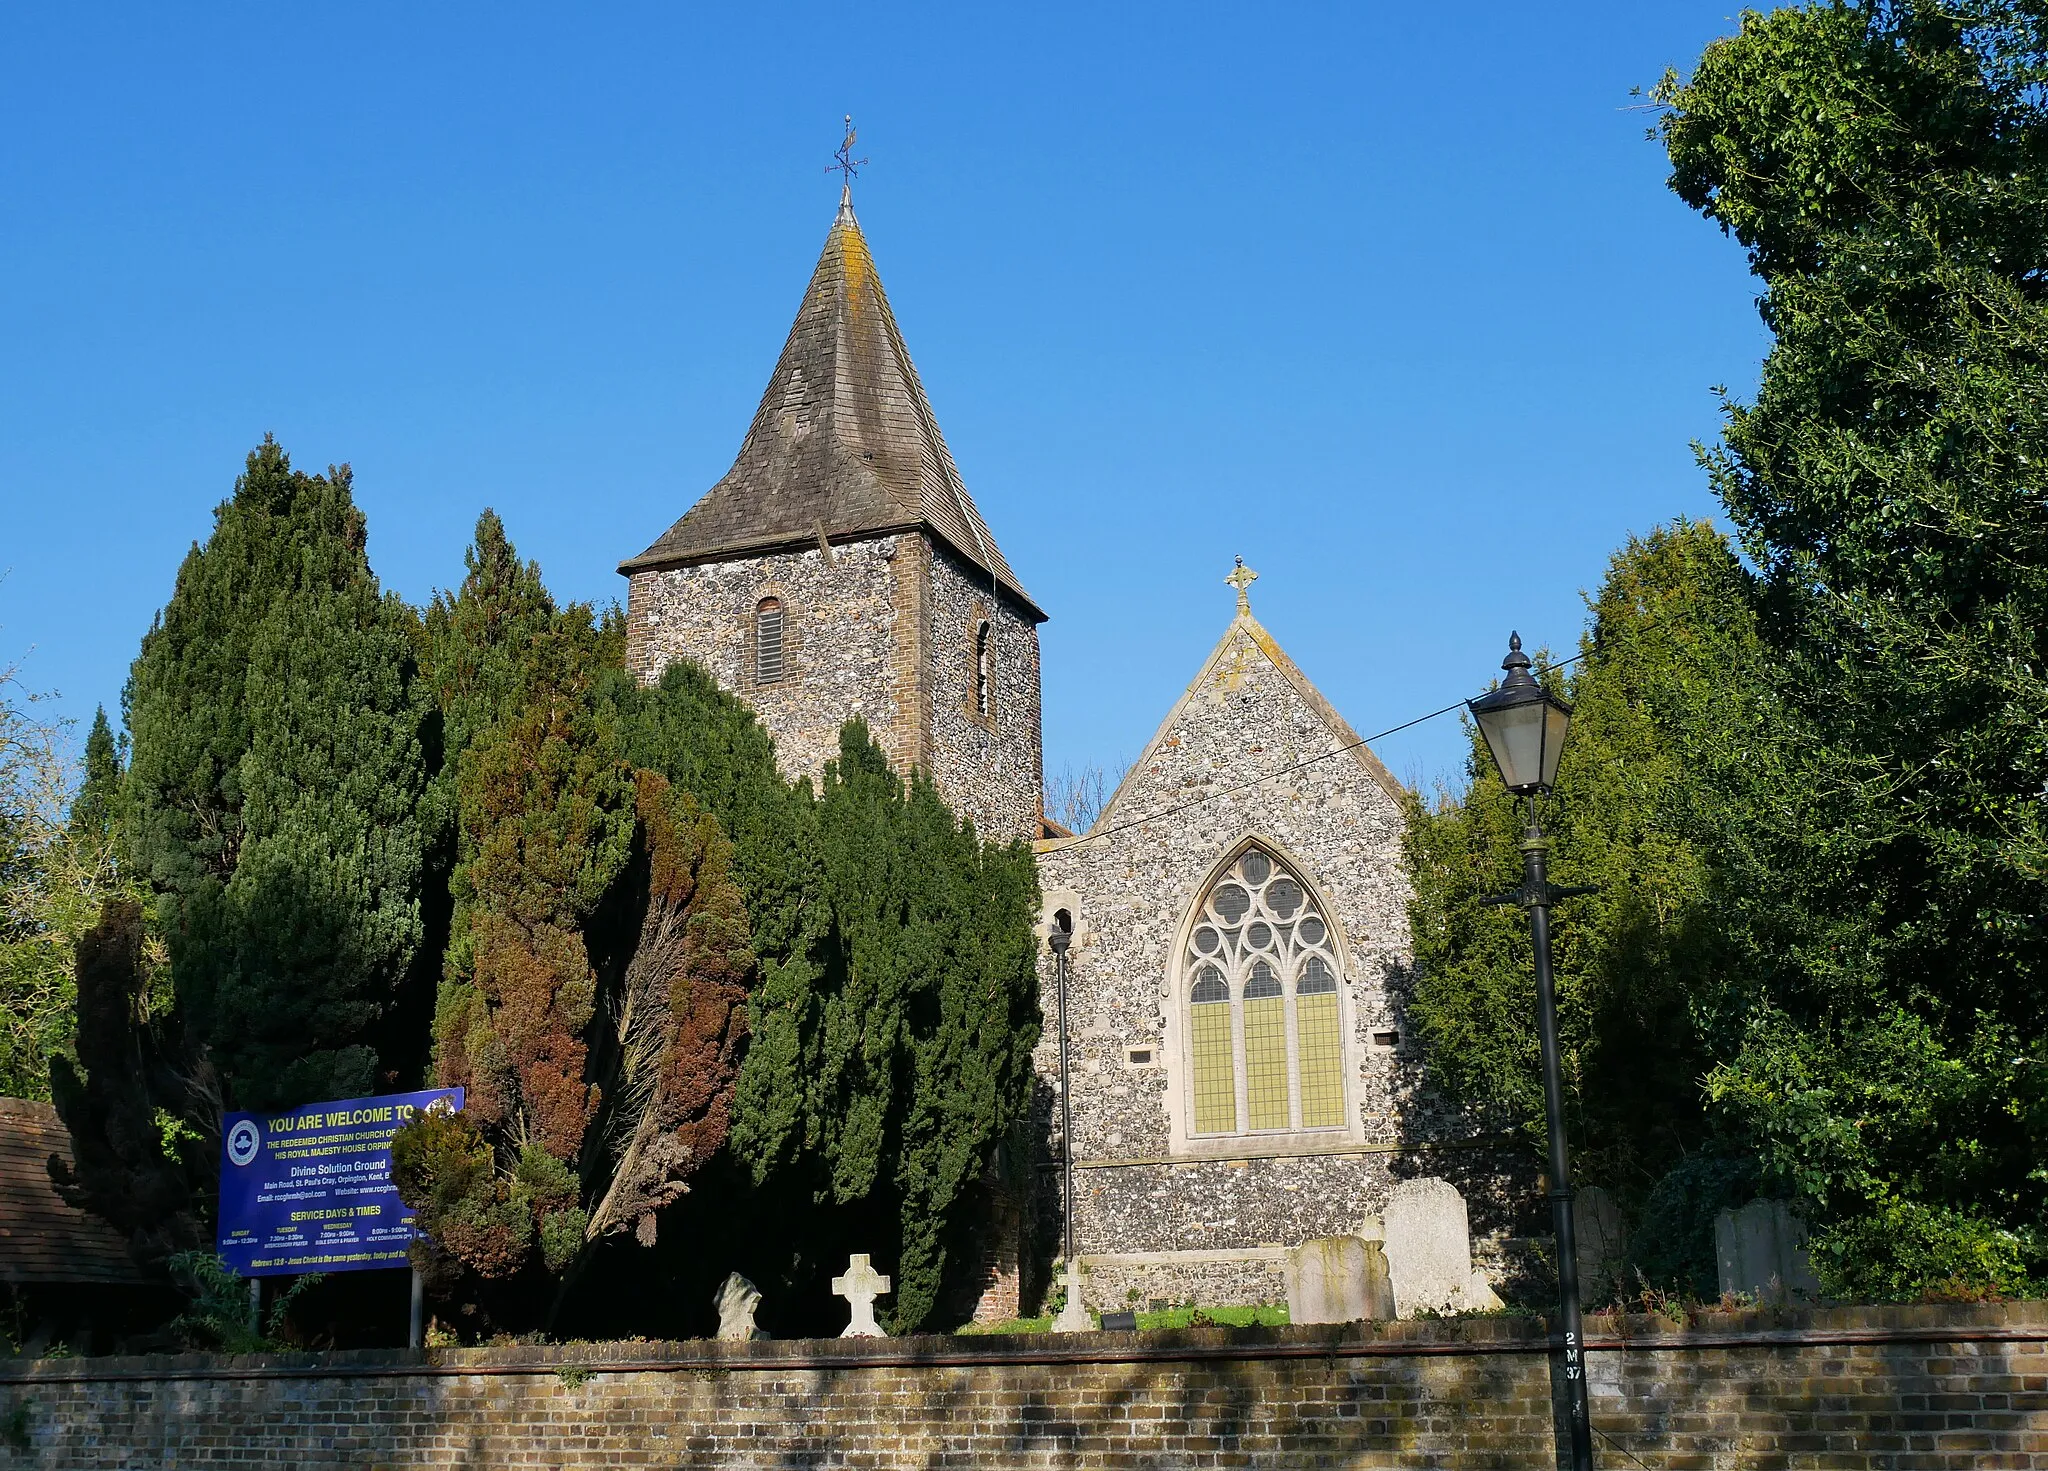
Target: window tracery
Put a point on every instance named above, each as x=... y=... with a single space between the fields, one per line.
x=1265 y=1034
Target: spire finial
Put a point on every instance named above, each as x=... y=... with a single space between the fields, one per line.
x=1242 y=579
x=848 y=166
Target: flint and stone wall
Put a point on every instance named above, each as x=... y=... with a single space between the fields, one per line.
x=882 y=629
x=988 y=769
x=1145 y=1185
x=840 y=631
x=1932 y=1387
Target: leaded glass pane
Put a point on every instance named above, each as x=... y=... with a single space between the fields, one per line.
x=1215 y=1073
x=1265 y=1061
x=1319 y=1050
x=1316 y=977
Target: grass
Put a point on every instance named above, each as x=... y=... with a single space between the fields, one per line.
x=1267 y=1315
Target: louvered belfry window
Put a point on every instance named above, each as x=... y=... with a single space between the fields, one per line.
x=768 y=660
x=1264 y=1035
x=984 y=671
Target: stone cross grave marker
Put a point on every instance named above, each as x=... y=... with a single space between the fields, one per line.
x=861 y=1285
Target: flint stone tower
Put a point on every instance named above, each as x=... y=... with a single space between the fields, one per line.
x=840 y=568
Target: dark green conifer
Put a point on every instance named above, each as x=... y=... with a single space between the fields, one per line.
x=96 y=808
x=273 y=792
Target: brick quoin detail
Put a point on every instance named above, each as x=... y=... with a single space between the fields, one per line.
x=1933 y=1387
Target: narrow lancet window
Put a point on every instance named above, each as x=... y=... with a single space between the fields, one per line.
x=768 y=665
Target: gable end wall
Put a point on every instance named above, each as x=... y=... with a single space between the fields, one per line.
x=1144 y=1185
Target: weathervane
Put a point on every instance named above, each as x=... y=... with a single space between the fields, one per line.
x=848 y=166
x=1242 y=579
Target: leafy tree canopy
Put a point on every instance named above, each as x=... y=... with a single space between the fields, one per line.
x=1886 y=164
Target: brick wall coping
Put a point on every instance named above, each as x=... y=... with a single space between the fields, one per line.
x=2012 y=1322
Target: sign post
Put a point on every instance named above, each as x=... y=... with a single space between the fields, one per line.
x=309 y=1189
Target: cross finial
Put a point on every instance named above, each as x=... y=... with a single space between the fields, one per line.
x=849 y=167
x=1242 y=579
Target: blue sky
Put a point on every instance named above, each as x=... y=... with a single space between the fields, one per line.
x=1399 y=311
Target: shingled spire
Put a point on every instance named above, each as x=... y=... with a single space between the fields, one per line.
x=844 y=444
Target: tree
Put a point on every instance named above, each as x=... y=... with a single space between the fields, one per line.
x=708 y=744
x=545 y=819
x=931 y=1008
x=141 y=1104
x=893 y=1022
x=1886 y=165
x=272 y=799
x=593 y=998
x=1075 y=796
x=1668 y=702
x=54 y=877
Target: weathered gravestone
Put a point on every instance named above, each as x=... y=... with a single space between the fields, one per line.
x=736 y=1301
x=1338 y=1279
x=1762 y=1252
x=1429 y=1251
x=1602 y=1252
x=860 y=1286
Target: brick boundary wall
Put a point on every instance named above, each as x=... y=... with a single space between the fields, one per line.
x=1937 y=1386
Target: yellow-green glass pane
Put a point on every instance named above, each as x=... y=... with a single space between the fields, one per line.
x=1321 y=1051
x=1215 y=1074
x=1265 y=1061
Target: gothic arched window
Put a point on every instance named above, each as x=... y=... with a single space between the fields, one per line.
x=768 y=665
x=984 y=671
x=1265 y=1037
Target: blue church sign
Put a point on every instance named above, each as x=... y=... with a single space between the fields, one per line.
x=310 y=1190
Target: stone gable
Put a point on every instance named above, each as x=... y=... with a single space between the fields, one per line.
x=1251 y=753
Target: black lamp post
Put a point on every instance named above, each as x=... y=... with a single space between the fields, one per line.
x=1524 y=725
x=1059 y=938
x=1073 y=1317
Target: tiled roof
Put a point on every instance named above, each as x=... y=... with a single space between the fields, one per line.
x=844 y=445
x=41 y=1238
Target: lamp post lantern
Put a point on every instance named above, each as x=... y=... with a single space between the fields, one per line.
x=1524 y=726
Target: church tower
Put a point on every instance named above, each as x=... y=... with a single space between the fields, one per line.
x=840 y=568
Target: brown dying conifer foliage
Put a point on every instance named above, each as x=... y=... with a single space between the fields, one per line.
x=681 y=1011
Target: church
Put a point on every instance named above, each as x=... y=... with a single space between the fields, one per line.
x=1241 y=1079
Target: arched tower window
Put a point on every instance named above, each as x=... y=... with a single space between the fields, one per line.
x=984 y=671
x=768 y=663
x=1264 y=1035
